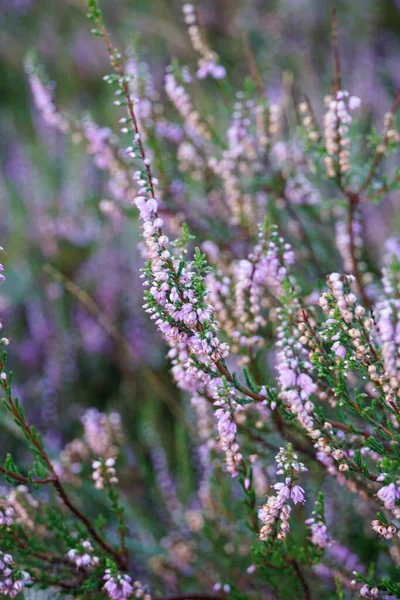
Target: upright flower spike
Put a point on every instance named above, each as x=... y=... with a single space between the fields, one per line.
x=104 y=473
x=177 y=296
x=227 y=428
x=319 y=532
x=101 y=432
x=43 y=97
x=294 y=366
x=274 y=515
x=337 y=121
x=208 y=61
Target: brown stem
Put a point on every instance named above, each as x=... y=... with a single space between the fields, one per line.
x=23 y=479
x=383 y=190
x=55 y=560
x=35 y=441
x=304 y=237
x=303 y=582
x=251 y=62
x=312 y=113
x=226 y=373
x=119 y=70
x=353 y=203
x=336 y=56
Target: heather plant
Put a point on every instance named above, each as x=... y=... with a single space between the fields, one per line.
x=282 y=333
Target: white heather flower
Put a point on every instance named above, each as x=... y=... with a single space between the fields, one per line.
x=367 y=592
x=103 y=473
x=82 y=556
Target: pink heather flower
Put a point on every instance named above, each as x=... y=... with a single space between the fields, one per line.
x=226 y=428
x=354 y=102
x=306 y=384
x=339 y=350
x=120 y=587
x=319 y=533
x=297 y=495
x=388 y=494
x=218 y=72
x=287 y=376
x=283 y=490
x=43 y=99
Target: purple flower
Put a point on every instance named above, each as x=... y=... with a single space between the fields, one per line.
x=339 y=350
x=283 y=491
x=306 y=384
x=297 y=495
x=388 y=494
x=287 y=376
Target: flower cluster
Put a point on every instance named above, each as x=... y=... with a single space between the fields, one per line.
x=43 y=96
x=12 y=580
x=386 y=532
x=274 y=515
x=101 y=432
x=337 y=121
x=6 y=516
x=104 y=472
x=119 y=586
x=294 y=368
x=369 y=592
x=227 y=428
x=208 y=63
x=82 y=556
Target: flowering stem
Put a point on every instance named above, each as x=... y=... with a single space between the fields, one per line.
x=303 y=582
x=37 y=445
x=251 y=62
x=379 y=155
